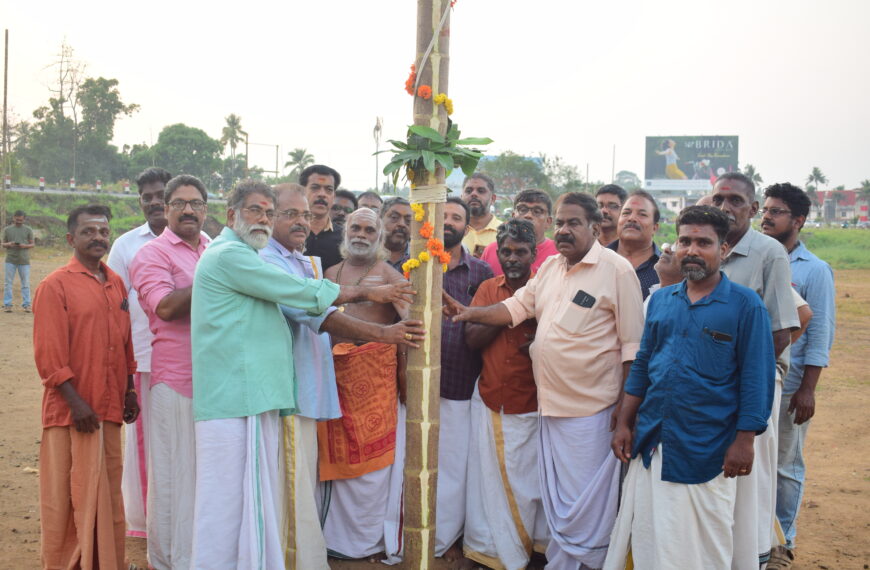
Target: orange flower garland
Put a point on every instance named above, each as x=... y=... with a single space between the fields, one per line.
x=434 y=250
x=412 y=78
x=424 y=91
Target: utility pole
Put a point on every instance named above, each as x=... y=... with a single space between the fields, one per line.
x=424 y=364
x=4 y=144
x=376 y=133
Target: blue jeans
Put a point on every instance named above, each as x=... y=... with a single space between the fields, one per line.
x=24 y=276
x=791 y=471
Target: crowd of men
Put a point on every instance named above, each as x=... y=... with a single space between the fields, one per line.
x=604 y=401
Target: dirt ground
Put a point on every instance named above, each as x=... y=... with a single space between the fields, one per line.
x=834 y=528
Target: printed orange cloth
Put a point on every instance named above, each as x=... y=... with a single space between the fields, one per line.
x=364 y=438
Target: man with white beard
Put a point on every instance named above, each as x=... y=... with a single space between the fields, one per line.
x=361 y=455
x=243 y=375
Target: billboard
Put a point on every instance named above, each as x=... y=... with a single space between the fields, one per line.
x=688 y=163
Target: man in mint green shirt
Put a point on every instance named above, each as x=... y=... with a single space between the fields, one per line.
x=243 y=375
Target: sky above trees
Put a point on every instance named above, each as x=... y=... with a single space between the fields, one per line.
x=565 y=79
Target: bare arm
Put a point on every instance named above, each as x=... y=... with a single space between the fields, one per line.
x=175 y=305
x=495 y=315
x=479 y=336
x=803 y=402
x=340 y=324
x=781 y=340
x=392 y=293
x=84 y=418
x=804 y=314
x=622 y=435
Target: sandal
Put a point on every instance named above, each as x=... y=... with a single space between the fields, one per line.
x=780 y=558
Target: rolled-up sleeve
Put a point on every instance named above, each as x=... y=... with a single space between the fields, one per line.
x=247 y=273
x=756 y=365
x=51 y=335
x=628 y=311
x=777 y=293
x=522 y=305
x=151 y=277
x=820 y=330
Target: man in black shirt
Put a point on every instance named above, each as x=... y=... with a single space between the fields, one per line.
x=320 y=183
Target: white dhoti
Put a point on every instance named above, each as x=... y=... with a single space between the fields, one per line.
x=453 y=438
x=579 y=488
x=171 y=479
x=363 y=516
x=755 y=511
x=504 y=517
x=238 y=494
x=672 y=525
x=302 y=536
x=134 y=480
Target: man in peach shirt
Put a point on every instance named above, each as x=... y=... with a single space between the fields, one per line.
x=589 y=309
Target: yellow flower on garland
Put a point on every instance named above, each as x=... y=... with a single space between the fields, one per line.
x=424 y=256
x=444 y=268
x=448 y=106
x=419 y=212
x=442 y=99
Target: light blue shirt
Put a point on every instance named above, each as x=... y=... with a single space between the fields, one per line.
x=813 y=279
x=241 y=346
x=316 y=390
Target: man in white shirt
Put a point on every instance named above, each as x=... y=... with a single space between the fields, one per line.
x=134 y=482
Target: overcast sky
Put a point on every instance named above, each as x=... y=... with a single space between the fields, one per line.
x=791 y=78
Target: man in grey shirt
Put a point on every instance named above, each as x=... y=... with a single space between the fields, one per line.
x=760 y=263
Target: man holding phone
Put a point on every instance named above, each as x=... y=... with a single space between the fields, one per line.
x=17 y=240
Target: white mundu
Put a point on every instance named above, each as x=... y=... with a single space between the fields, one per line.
x=504 y=517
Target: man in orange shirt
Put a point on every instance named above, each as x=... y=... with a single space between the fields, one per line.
x=84 y=355
x=590 y=319
x=504 y=517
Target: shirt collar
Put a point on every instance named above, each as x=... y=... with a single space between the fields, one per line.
x=721 y=293
x=145 y=229
x=501 y=280
x=591 y=257
x=76 y=266
x=743 y=246
x=276 y=245
x=799 y=252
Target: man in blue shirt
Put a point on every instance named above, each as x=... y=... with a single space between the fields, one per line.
x=785 y=210
x=700 y=389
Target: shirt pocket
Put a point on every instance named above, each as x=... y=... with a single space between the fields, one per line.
x=574 y=318
x=715 y=358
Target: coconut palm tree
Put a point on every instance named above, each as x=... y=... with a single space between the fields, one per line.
x=232 y=134
x=753 y=175
x=816 y=177
x=299 y=160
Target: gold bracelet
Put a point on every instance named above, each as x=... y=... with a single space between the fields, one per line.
x=132 y=391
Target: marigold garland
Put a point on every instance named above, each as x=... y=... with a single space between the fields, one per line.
x=412 y=78
x=419 y=212
x=434 y=246
x=424 y=91
x=443 y=99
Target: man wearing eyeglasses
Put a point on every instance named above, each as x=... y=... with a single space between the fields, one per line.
x=535 y=206
x=162 y=274
x=343 y=206
x=610 y=199
x=760 y=263
x=785 y=211
x=134 y=482
x=243 y=377
x=316 y=393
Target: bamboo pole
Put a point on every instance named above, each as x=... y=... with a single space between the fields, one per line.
x=424 y=365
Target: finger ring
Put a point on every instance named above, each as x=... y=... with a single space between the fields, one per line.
x=408 y=336
x=743 y=471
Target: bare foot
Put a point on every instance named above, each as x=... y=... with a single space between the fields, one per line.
x=455 y=558
x=377 y=558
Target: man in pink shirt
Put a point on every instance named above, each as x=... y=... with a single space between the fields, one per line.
x=588 y=305
x=162 y=273
x=535 y=206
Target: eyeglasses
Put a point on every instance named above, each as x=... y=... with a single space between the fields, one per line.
x=195 y=205
x=523 y=210
x=293 y=214
x=346 y=209
x=259 y=212
x=775 y=212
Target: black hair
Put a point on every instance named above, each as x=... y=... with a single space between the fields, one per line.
x=797 y=200
x=535 y=196
x=184 y=180
x=646 y=195
x=517 y=230
x=704 y=216
x=585 y=201
x=740 y=177
x=19 y=213
x=72 y=221
x=456 y=200
x=244 y=189
x=370 y=193
x=398 y=200
x=490 y=183
x=613 y=189
x=347 y=194
x=152 y=175
x=322 y=170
